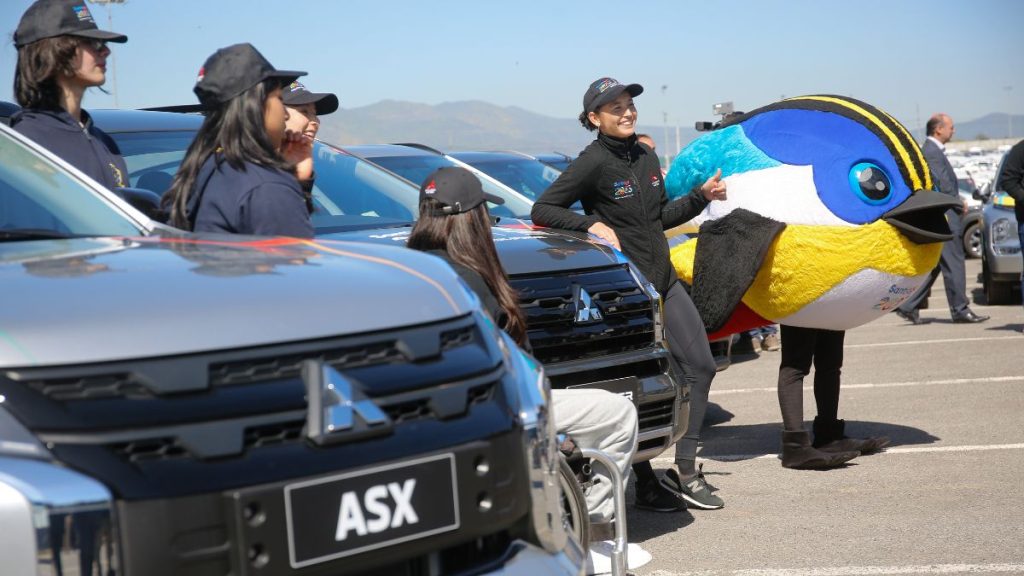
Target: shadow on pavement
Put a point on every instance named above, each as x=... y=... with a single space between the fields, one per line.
x=745 y=442
x=1008 y=328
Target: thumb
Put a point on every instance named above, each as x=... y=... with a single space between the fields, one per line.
x=717 y=176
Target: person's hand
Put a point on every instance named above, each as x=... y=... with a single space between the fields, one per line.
x=297 y=149
x=714 y=188
x=964 y=211
x=604 y=232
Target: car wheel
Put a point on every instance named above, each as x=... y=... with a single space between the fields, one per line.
x=995 y=292
x=972 y=241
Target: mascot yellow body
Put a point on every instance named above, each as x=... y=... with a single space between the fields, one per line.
x=830 y=222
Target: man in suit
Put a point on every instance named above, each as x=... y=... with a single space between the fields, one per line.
x=940 y=129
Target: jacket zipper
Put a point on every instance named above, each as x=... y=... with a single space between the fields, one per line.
x=643 y=210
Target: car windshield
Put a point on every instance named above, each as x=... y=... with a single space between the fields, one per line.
x=352 y=193
x=417 y=168
x=348 y=194
x=153 y=157
x=529 y=177
x=40 y=200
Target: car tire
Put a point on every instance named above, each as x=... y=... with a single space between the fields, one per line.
x=972 y=241
x=995 y=292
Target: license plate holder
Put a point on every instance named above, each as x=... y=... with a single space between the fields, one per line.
x=628 y=387
x=351 y=513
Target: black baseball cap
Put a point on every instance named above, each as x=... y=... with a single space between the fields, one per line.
x=233 y=70
x=458 y=190
x=295 y=94
x=604 y=90
x=49 y=18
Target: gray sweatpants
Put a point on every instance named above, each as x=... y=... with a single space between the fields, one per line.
x=604 y=421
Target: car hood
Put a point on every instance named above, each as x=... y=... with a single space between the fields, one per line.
x=103 y=299
x=523 y=248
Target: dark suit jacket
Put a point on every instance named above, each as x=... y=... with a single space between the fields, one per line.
x=942 y=171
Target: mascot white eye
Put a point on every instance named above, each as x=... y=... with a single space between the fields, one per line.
x=870 y=183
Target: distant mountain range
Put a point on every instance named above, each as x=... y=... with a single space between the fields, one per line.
x=475 y=125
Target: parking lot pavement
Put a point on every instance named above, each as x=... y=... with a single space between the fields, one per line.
x=946 y=498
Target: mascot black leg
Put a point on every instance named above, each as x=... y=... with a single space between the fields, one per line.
x=797 y=356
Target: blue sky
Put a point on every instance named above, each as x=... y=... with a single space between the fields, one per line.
x=909 y=57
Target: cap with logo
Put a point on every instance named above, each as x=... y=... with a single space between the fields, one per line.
x=233 y=70
x=295 y=94
x=604 y=90
x=49 y=18
x=458 y=190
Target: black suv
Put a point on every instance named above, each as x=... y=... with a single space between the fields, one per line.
x=561 y=276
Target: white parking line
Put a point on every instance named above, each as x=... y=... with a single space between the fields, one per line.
x=856 y=570
x=905 y=450
x=991 y=380
x=940 y=341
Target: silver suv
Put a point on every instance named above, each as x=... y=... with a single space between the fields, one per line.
x=184 y=404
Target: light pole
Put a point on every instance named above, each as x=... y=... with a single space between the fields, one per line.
x=664 y=119
x=1009 y=112
x=113 y=58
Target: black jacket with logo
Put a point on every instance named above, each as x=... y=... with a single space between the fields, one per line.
x=619 y=183
x=84 y=146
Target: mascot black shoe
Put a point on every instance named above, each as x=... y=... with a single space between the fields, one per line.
x=829 y=436
x=798 y=453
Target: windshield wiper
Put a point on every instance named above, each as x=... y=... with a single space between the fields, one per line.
x=32 y=234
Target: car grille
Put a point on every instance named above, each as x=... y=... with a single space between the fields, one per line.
x=206 y=419
x=626 y=324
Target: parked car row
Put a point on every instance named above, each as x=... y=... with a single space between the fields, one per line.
x=181 y=403
x=212 y=391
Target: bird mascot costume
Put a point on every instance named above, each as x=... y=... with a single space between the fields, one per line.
x=831 y=220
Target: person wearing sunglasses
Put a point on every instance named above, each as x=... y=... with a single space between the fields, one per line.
x=61 y=53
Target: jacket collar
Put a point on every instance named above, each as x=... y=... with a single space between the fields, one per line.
x=55 y=118
x=622 y=148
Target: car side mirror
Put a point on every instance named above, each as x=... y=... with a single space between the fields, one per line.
x=145 y=201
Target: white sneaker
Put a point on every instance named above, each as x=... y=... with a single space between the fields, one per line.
x=599 y=561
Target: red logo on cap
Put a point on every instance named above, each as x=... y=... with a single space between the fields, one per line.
x=202 y=72
x=431 y=188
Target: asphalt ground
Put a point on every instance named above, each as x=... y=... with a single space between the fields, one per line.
x=947 y=497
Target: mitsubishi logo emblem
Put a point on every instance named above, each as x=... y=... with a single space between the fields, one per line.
x=335 y=402
x=586 y=308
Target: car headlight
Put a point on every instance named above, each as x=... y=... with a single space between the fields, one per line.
x=655 y=297
x=40 y=505
x=1004 y=238
x=534 y=407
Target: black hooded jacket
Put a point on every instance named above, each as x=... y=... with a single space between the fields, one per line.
x=619 y=183
x=84 y=146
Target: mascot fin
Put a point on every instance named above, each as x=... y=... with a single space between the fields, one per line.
x=729 y=252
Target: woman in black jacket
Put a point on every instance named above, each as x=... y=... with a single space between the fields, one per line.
x=620 y=185
x=61 y=53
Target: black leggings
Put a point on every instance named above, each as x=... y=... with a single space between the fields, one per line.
x=688 y=343
x=801 y=347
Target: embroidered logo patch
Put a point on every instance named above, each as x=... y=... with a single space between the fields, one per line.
x=622 y=189
x=655 y=181
x=83 y=13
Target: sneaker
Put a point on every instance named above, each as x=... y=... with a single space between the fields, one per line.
x=695 y=492
x=770 y=343
x=599 y=560
x=656 y=498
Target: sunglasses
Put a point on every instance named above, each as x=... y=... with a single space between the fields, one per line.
x=95 y=45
